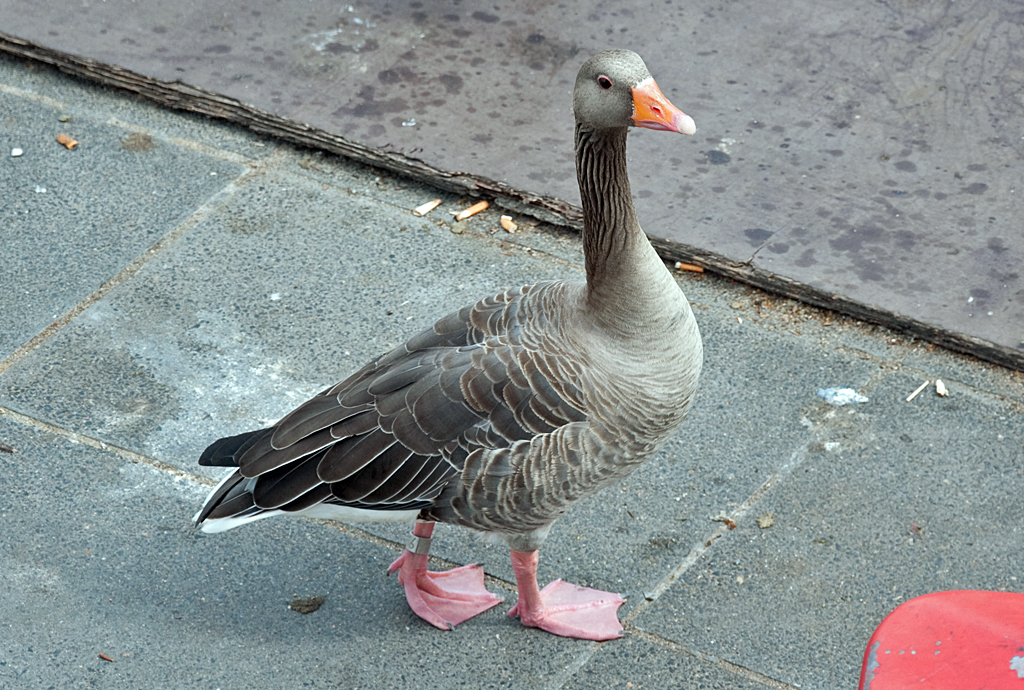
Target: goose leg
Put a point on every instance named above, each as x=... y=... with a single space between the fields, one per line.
x=562 y=608
x=443 y=599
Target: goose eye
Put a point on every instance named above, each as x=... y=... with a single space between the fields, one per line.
x=604 y=82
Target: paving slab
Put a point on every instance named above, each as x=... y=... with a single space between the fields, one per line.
x=285 y=288
x=896 y=500
x=75 y=97
x=638 y=663
x=97 y=557
x=846 y=155
x=50 y=202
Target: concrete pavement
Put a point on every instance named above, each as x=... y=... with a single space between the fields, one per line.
x=173 y=279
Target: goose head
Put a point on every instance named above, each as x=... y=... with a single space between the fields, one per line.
x=614 y=89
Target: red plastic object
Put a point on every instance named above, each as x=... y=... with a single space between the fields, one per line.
x=963 y=640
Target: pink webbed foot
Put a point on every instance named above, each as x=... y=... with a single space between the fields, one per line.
x=562 y=608
x=443 y=599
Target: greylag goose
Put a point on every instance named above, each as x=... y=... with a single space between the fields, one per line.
x=501 y=415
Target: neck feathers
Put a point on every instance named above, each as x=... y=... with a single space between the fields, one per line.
x=609 y=219
x=628 y=287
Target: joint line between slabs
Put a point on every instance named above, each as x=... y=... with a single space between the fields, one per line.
x=129 y=271
x=130 y=455
x=140 y=459
x=192 y=144
x=436 y=561
x=704 y=545
x=566 y=674
x=796 y=459
x=33 y=96
x=724 y=664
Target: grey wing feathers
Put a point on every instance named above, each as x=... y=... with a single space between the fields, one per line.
x=392 y=435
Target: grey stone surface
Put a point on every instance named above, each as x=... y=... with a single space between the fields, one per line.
x=381 y=185
x=951 y=366
x=897 y=500
x=638 y=663
x=74 y=218
x=96 y=557
x=78 y=98
x=294 y=271
x=284 y=289
x=853 y=150
x=220 y=335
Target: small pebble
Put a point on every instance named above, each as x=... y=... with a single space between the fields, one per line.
x=64 y=118
x=16 y=152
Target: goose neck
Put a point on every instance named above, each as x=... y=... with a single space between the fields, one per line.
x=623 y=270
x=609 y=219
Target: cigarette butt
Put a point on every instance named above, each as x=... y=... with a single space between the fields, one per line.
x=106 y=658
x=919 y=389
x=680 y=266
x=722 y=517
x=426 y=208
x=940 y=388
x=508 y=224
x=472 y=210
x=66 y=141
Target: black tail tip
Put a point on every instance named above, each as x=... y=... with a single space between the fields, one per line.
x=225 y=452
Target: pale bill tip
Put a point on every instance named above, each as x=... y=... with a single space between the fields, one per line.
x=684 y=124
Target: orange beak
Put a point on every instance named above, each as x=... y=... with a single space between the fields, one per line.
x=652 y=110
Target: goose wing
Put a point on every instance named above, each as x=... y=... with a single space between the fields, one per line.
x=395 y=433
